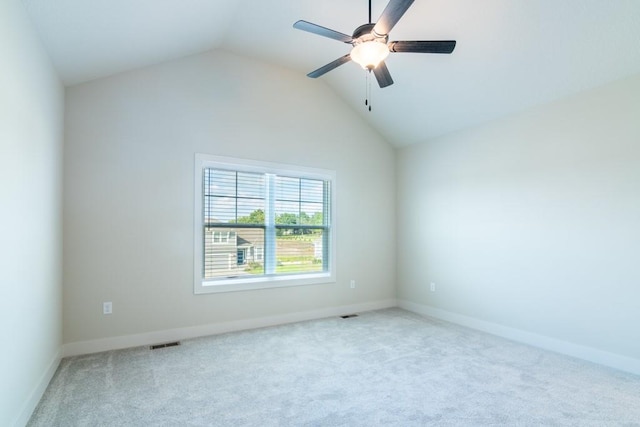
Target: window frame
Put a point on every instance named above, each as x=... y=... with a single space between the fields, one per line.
x=244 y=283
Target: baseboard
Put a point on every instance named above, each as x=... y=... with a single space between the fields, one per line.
x=136 y=340
x=590 y=354
x=33 y=400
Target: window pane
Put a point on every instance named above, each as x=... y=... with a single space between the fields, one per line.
x=231 y=196
x=232 y=252
x=287 y=188
x=311 y=213
x=219 y=209
x=287 y=212
x=250 y=211
x=219 y=182
x=256 y=217
x=299 y=250
x=250 y=185
x=311 y=190
x=299 y=201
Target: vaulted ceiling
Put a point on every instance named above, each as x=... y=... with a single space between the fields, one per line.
x=510 y=54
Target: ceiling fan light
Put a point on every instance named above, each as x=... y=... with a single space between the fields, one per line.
x=369 y=54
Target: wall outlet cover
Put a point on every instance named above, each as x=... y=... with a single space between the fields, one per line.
x=107 y=308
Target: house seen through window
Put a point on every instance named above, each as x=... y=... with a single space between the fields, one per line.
x=262 y=224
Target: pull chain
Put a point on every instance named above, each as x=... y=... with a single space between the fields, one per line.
x=366 y=89
x=367 y=99
x=369 y=90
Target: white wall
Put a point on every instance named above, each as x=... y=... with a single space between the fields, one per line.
x=31 y=117
x=531 y=222
x=128 y=176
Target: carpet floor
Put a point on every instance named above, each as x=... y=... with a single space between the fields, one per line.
x=388 y=367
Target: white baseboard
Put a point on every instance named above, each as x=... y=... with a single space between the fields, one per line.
x=33 y=400
x=136 y=340
x=590 y=354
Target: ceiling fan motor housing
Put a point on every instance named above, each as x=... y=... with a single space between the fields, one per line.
x=365 y=33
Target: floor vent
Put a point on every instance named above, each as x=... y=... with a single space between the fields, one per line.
x=168 y=344
x=347 y=316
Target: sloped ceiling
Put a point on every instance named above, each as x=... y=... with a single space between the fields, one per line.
x=511 y=54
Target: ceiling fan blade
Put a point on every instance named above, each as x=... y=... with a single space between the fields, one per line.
x=330 y=66
x=322 y=31
x=382 y=75
x=422 y=46
x=391 y=15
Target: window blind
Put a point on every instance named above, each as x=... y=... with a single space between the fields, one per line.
x=261 y=224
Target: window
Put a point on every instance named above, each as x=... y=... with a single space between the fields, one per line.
x=223 y=237
x=260 y=225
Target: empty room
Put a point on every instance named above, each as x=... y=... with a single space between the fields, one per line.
x=320 y=213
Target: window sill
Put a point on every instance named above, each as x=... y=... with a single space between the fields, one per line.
x=262 y=282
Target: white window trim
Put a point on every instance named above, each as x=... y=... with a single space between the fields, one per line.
x=202 y=286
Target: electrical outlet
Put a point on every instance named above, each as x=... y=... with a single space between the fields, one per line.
x=107 y=307
x=433 y=287
x=353 y=284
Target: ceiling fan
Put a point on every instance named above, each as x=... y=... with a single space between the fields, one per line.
x=371 y=44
